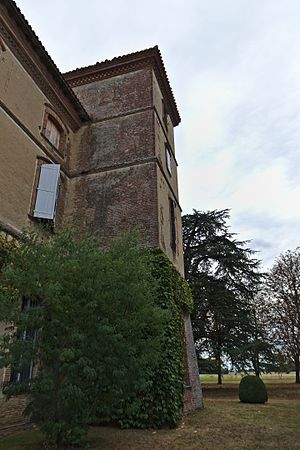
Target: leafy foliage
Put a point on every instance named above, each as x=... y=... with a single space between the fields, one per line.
x=95 y=333
x=9 y=299
x=224 y=276
x=252 y=390
x=284 y=305
x=162 y=401
x=258 y=351
x=105 y=333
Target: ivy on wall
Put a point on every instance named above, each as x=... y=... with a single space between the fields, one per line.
x=161 y=402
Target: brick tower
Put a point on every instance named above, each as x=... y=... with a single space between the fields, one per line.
x=124 y=172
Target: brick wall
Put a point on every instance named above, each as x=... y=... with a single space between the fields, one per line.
x=112 y=202
x=114 y=185
x=121 y=94
x=119 y=140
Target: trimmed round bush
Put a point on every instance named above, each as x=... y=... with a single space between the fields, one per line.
x=252 y=390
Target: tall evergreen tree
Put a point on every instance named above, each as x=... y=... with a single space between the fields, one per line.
x=223 y=275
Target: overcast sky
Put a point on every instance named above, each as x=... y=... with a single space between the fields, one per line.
x=234 y=68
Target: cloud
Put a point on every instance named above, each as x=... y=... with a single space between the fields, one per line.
x=235 y=70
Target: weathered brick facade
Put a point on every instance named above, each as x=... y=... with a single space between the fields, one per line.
x=115 y=121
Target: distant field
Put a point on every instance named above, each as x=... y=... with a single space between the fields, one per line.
x=235 y=378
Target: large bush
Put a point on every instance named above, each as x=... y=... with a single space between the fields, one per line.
x=252 y=390
x=94 y=329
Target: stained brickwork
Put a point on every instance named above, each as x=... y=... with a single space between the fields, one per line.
x=121 y=94
x=112 y=202
x=117 y=141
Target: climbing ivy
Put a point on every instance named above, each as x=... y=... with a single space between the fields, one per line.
x=7 y=246
x=162 y=401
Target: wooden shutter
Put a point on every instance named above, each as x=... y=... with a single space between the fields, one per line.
x=52 y=133
x=45 y=204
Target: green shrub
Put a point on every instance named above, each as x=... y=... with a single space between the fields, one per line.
x=161 y=401
x=252 y=390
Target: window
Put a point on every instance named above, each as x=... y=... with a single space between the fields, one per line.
x=52 y=133
x=169 y=159
x=172 y=205
x=25 y=371
x=54 y=130
x=44 y=204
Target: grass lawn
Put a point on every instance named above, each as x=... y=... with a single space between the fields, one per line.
x=236 y=378
x=224 y=423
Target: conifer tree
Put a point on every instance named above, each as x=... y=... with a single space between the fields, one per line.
x=224 y=276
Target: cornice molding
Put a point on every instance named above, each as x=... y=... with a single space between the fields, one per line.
x=149 y=58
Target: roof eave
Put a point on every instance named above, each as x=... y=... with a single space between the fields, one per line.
x=42 y=59
x=108 y=68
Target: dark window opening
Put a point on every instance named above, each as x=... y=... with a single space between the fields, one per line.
x=172 y=204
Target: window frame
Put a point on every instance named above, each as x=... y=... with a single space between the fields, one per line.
x=168 y=158
x=25 y=374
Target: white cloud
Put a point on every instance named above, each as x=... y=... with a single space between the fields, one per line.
x=235 y=70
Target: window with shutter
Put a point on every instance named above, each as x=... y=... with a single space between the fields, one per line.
x=52 y=133
x=47 y=190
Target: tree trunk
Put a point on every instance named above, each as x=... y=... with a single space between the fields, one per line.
x=219 y=365
x=297 y=368
x=257 y=364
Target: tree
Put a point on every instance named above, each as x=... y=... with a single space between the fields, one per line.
x=284 y=285
x=224 y=276
x=87 y=324
x=257 y=353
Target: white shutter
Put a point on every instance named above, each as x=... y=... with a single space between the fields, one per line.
x=45 y=204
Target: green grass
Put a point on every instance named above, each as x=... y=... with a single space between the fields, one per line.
x=224 y=423
x=236 y=378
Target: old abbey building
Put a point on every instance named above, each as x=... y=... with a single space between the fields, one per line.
x=94 y=146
